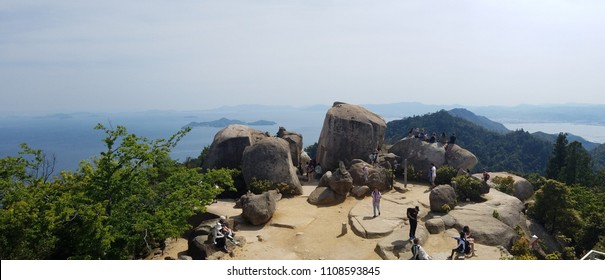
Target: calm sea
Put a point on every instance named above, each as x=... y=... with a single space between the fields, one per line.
x=73 y=139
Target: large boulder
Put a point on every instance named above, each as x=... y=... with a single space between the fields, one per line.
x=325 y=196
x=421 y=154
x=377 y=176
x=295 y=142
x=493 y=222
x=269 y=159
x=340 y=180
x=442 y=195
x=460 y=158
x=522 y=188
x=229 y=144
x=258 y=209
x=349 y=132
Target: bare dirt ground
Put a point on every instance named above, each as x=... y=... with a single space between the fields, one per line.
x=302 y=231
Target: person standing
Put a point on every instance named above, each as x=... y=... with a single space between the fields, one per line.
x=365 y=172
x=433 y=175
x=485 y=175
x=376 y=196
x=412 y=214
x=318 y=171
x=309 y=171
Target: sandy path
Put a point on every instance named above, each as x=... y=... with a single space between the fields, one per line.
x=301 y=231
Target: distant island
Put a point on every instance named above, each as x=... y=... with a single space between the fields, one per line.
x=223 y=122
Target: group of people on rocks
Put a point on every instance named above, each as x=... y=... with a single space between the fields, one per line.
x=418 y=133
x=465 y=243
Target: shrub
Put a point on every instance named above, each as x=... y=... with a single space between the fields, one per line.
x=521 y=250
x=554 y=256
x=504 y=185
x=446 y=208
x=445 y=174
x=468 y=187
x=260 y=186
x=416 y=175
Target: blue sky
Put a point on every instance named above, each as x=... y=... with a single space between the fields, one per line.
x=60 y=55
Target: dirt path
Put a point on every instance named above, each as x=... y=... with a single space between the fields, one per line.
x=302 y=231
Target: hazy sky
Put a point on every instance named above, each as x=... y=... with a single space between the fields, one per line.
x=112 y=55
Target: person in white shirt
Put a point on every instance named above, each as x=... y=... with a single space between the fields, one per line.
x=376 y=195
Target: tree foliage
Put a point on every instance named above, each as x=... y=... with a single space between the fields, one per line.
x=117 y=206
x=468 y=187
x=312 y=150
x=517 y=150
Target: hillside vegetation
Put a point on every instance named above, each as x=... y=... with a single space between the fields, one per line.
x=515 y=151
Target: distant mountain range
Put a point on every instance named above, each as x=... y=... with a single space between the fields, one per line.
x=495 y=147
x=223 y=122
x=500 y=128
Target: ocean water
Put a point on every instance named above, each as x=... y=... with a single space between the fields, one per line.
x=73 y=139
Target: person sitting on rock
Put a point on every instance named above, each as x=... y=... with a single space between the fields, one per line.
x=471 y=241
x=218 y=236
x=460 y=247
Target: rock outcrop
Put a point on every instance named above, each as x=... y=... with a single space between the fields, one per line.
x=421 y=154
x=258 y=209
x=269 y=159
x=349 y=132
x=377 y=175
x=492 y=222
x=393 y=207
x=333 y=187
x=295 y=142
x=325 y=196
x=228 y=146
x=522 y=188
x=442 y=195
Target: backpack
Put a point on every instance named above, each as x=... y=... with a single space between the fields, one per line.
x=467 y=247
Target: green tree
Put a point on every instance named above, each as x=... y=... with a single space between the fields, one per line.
x=555 y=209
x=578 y=166
x=558 y=157
x=118 y=206
x=312 y=150
x=26 y=196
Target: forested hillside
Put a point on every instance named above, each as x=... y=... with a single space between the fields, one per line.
x=516 y=151
x=598 y=156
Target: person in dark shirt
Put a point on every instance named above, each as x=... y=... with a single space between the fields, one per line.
x=412 y=214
